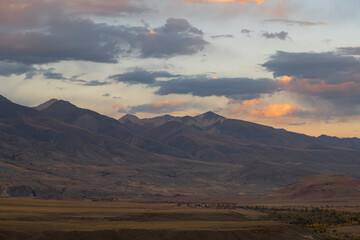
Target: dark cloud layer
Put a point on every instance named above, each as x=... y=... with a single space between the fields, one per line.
x=237 y=88
x=141 y=76
x=328 y=75
x=350 y=50
x=9 y=68
x=47 y=32
x=328 y=66
x=280 y=35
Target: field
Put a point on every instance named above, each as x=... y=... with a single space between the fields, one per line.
x=53 y=219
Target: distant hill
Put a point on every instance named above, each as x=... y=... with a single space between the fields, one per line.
x=346 y=142
x=58 y=148
x=322 y=187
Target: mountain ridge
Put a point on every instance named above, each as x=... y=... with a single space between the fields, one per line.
x=86 y=153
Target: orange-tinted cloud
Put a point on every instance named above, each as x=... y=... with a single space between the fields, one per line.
x=118 y=106
x=252 y=102
x=286 y=79
x=167 y=104
x=323 y=87
x=258 y=2
x=275 y=111
x=243 y=107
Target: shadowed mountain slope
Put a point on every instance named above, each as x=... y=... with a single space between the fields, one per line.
x=322 y=187
x=67 y=150
x=346 y=142
x=90 y=120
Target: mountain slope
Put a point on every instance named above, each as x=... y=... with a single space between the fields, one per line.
x=346 y=142
x=93 y=121
x=322 y=187
x=80 y=152
x=45 y=155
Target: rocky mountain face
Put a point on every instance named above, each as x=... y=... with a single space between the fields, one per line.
x=58 y=148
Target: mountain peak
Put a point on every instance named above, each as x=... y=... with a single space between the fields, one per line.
x=46 y=104
x=207 y=119
x=128 y=117
x=209 y=116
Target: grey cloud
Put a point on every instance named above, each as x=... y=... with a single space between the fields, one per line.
x=62 y=36
x=280 y=35
x=178 y=25
x=350 y=50
x=222 y=36
x=9 y=68
x=93 y=83
x=327 y=76
x=246 y=32
x=328 y=66
x=76 y=39
x=294 y=22
x=106 y=95
x=141 y=76
x=237 y=88
x=49 y=74
x=176 y=37
x=52 y=75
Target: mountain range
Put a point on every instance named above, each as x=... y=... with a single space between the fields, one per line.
x=60 y=149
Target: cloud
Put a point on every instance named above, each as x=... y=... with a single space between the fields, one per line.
x=294 y=22
x=10 y=68
x=75 y=39
x=257 y=2
x=158 y=107
x=52 y=75
x=49 y=74
x=236 y=88
x=141 y=76
x=176 y=37
x=280 y=35
x=328 y=76
x=41 y=32
x=106 y=95
x=355 y=51
x=275 y=111
x=246 y=32
x=328 y=66
x=93 y=83
x=199 y=85
x=222 y=36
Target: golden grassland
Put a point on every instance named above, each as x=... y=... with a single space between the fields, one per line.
x=54 y=219
x=44 y=219
x=38 y=215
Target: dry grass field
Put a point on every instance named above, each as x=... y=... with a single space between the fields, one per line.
x=53 y=219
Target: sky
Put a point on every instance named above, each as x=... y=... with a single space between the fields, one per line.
x=292 y=64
